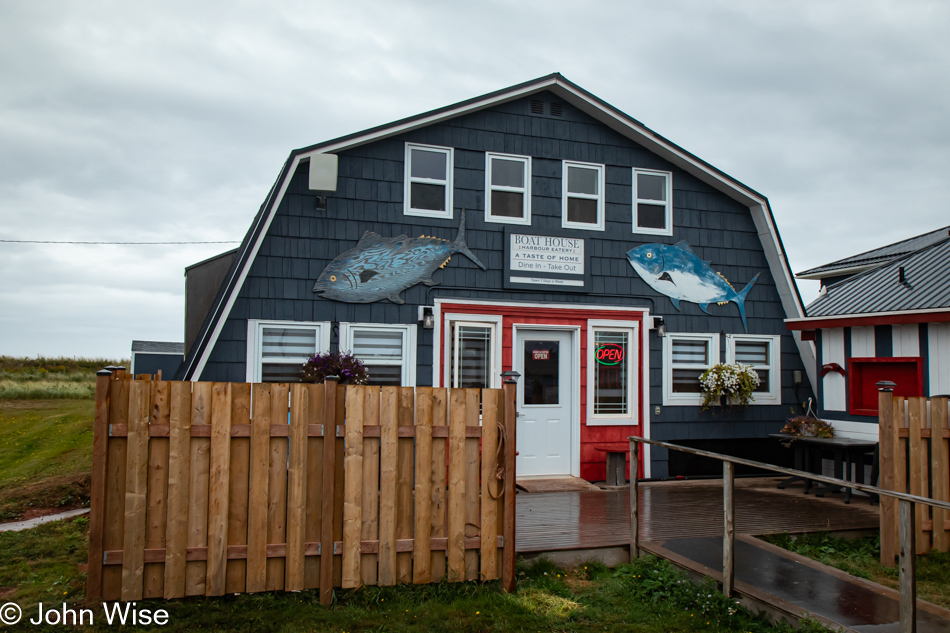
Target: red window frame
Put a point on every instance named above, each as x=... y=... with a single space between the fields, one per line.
x=908 y=374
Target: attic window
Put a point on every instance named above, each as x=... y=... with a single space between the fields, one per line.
x=537 y=107
x=428 y=181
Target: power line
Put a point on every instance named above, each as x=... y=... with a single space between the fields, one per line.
x=139 y=243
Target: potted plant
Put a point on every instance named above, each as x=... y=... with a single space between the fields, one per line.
x=728 y=384
x=344 y=365
x=807 y=426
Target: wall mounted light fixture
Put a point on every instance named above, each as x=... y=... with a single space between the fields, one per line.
x=660 y=326
x=427 y=317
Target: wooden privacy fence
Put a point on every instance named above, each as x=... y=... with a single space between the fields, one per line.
x=914 y=458
x=212 y=488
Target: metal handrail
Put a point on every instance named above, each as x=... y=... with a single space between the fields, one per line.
x=906 y=519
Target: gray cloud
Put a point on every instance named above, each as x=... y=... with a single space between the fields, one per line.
x=170 y=120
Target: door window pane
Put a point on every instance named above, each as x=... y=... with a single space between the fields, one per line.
x=471 y=357
x=541 y=376
x=611 y=375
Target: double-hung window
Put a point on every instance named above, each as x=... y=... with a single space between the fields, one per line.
x=582 y=202
x=387 y=351
x=277 y=350
x=428 y=181
x=612 y=379
x=685 y=358
x=763 y=354
x=652 y=202
x=507 y=189
x=472 y=352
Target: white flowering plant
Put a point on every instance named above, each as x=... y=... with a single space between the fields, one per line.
x=729 y=382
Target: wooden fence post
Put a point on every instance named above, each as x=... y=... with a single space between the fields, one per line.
x=97 y=493
x=729 y=529
x=887 y=436
x=908 y=567
x=329 y=469
x=634 y=502
x=511 y=413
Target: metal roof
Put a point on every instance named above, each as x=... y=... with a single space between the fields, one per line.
x=925 y=285
x=872 y=258
x=158 y=347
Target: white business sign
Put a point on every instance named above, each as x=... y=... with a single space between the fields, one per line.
x=543 y=254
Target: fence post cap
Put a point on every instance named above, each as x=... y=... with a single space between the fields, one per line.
x=104 y=372
x=510 y=376
x=119 y=368
x=885 y=385
x=333 y=378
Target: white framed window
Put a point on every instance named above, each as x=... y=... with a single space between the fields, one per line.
x=582 y=198
x=507 y=188
x=764 y=354
x=472 y=347
x=428 y=181
x=276 y=350
x=685 y=358
x=612 y=373
x=388 y=351
x=652 y=202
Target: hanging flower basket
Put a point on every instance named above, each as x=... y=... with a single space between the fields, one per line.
x=728 y=384
x=807 y=426
x=347 y=367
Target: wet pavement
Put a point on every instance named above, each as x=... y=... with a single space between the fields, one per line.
x=853 y=604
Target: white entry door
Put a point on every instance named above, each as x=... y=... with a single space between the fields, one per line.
x=544 y=359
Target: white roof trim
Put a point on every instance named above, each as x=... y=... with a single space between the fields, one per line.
x=867 y=315
x=638 y=133
x=834 y=272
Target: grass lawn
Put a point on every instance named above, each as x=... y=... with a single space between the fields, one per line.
x=862 y=558
x=649 y=596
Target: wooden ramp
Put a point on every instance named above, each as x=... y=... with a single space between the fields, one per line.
x=561 y=521
x=793 y=586
x=534 y=485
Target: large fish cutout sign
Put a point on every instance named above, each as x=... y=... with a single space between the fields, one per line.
x=677 y=272
x=382 y=267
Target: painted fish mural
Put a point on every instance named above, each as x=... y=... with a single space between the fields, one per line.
x=677 y=272
x=382 y=267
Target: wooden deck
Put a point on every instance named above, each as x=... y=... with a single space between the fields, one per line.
x=597 y=519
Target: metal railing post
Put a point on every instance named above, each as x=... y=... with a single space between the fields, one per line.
x=634 y=503
x=908 y=566
x=729 y=528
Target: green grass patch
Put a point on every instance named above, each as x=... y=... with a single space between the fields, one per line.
x=648 y=596
x=45 y=454
x=862 y=558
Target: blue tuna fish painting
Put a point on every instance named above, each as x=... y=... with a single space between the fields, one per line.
x=382 y=267
x=678 y=273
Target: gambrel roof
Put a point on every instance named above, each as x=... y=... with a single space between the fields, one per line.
x=571 y=93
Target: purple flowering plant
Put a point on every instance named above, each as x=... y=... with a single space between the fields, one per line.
x=343 y=364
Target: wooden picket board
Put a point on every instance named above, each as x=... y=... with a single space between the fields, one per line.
x=179 y=468
x=404 y=485
x=218 y=488
x=941 y=471
x=439 y=505
x=296 y=487
x=258 y=489
x=353 y=493
x=136 y=500
x=236 y=572
x=114 y=528
x=370 y=493
x=422 y=527
x=917 y=459
x=472 y=486
x=314 y=492
x=196 y=571
x=277 y=487
x=455 y=554
x=213 y=488
x=388 y=461
x=492 y=414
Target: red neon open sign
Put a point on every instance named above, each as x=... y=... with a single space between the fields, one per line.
x=609 y=354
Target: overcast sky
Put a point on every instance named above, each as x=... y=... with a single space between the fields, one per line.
x=164 y=121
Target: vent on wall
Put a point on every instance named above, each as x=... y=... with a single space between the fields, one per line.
x=546 y=108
